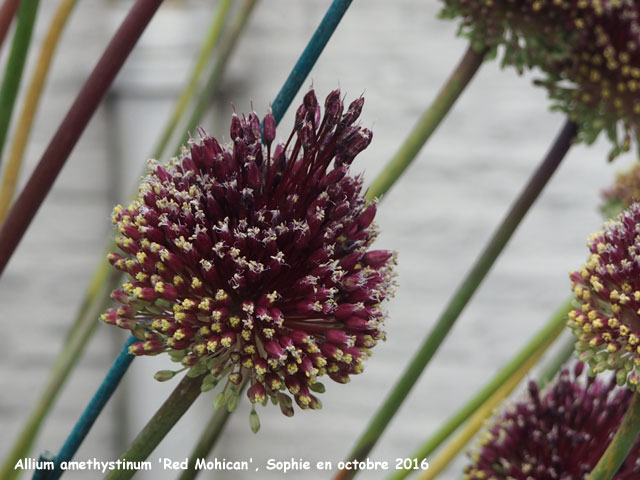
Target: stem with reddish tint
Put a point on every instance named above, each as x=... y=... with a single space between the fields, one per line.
x=7 y=12
x=72 y=127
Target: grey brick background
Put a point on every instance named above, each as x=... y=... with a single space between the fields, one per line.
x=438 y=218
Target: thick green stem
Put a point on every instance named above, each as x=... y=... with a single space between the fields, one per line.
x=210 y=43
x=620 y=446
x=427 y=124
x=553 y=328
x=226 y=49
x=15 y=65
x=209 y=438
x=463 y=294
x=162 y=421
x=64 y=365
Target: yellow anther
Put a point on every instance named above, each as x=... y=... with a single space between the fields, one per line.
x=178 y=335
x=205 y=304
x=188 y=304
x=221 y=295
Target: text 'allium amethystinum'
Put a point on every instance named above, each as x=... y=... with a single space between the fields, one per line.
x=589 y=51
x=559 y=433
x=607 y=287
x=253 y=263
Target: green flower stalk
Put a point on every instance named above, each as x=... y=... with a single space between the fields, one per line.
x=252 y=262
x=588 y=51
x=607 y=321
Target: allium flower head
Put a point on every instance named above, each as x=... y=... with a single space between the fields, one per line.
x=607 y=322
x=557 y=434
x=254 y=263
x=589 y=51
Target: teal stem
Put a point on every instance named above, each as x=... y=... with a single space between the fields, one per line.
x=309 y=57
x=91 y=413
x=462 y=295
x=60 y=372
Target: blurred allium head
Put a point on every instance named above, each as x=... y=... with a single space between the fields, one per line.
x=560 y=433
x=588 y=50
x=607 y=323
x=254 y=263
x=624 y=191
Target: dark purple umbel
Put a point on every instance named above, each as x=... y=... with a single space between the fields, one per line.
x=557 y=434
x=254 y=259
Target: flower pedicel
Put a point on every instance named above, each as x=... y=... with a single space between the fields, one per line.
x=253 y=263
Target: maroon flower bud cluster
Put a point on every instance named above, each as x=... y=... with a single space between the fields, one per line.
x=253 y=261
x=557 y=434
x=607 y=322
x=589 y=51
